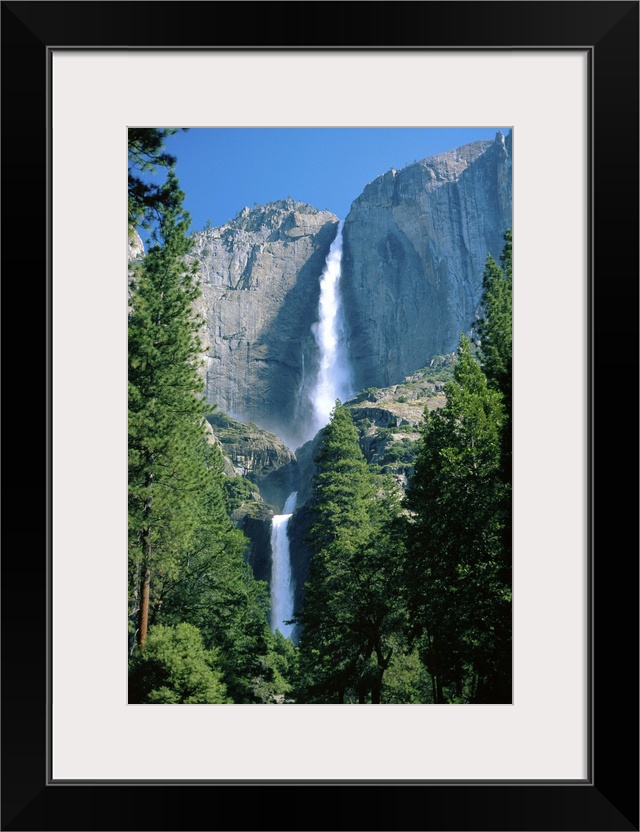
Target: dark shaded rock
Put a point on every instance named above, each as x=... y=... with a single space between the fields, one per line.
x=258 y=455
x=258 y=532
x=298 y=530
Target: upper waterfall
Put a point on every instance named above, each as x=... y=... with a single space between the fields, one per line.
x=333 y=380
x=415 y=245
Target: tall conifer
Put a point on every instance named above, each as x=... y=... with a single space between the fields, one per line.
x=457 y=595
x=186 y=561
x=166 y=409
x=351 y=596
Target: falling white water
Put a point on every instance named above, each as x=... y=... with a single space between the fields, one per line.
x=333 y=381
x=334 y=377
x=281 y=587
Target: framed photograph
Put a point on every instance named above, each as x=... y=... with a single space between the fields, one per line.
x=563 y=79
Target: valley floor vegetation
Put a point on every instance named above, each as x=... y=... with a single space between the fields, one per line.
x=408 y=598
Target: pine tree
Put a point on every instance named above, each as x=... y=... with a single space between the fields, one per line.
x=147 y=153
x=213 y=588
x=495 y=351
x=176 y=668
x=495 y=326
x=455 y=584
x=349 y=603
x=166 y=411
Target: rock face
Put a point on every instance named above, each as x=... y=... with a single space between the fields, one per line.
x=135 y=246
x=415 y=244
x=259 y=276
x=257 y=455
x=414 y=251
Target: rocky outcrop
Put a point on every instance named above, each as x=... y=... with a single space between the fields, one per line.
x=228 y=469
x=258 y=532
x=414 y=251
x=257 y=455
x=135 y=246
x=135 y=256
x=259 y=276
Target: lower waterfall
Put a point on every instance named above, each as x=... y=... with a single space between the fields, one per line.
x=281 y=586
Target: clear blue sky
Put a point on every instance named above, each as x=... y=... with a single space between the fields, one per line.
x=223 y=169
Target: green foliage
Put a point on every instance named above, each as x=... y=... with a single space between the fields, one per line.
x=238 y=491
x=214 y=588
x=146 y=199
x=494 y=328
x=443 y=365
x=175 y=668
x=456 y=579
x=186 y=561
x=166 y=410
x=495 y=350
x=406 y=680
x=350 y=605
x=402 y=451
x=280 y=670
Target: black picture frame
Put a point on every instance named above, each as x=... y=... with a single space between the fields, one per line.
x=608 y=799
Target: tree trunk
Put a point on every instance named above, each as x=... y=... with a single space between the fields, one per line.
x=376 y=687
x=144 y=608
x=145 y=588
x=383 y=664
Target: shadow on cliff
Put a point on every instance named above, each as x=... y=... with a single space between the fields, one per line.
x=291 y=352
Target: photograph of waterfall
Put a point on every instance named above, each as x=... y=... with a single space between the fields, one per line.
x=320 y=415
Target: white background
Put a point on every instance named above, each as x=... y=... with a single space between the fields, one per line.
x=96 y=734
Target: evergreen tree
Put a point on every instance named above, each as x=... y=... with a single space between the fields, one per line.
x=166 y=410
x=213 y=587
x=147 y=154
x=495 y=352
x=176 y=668
x=350 y=606
x=186 y=561
x=458 y=598
x=494 y=328
x=279 y=671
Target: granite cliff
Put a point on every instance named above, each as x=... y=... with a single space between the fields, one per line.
x=415 y=244
x=259 y=279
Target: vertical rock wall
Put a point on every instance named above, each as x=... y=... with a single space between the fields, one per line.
x=414 y=251
x=259 y=276
x=415 y=246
